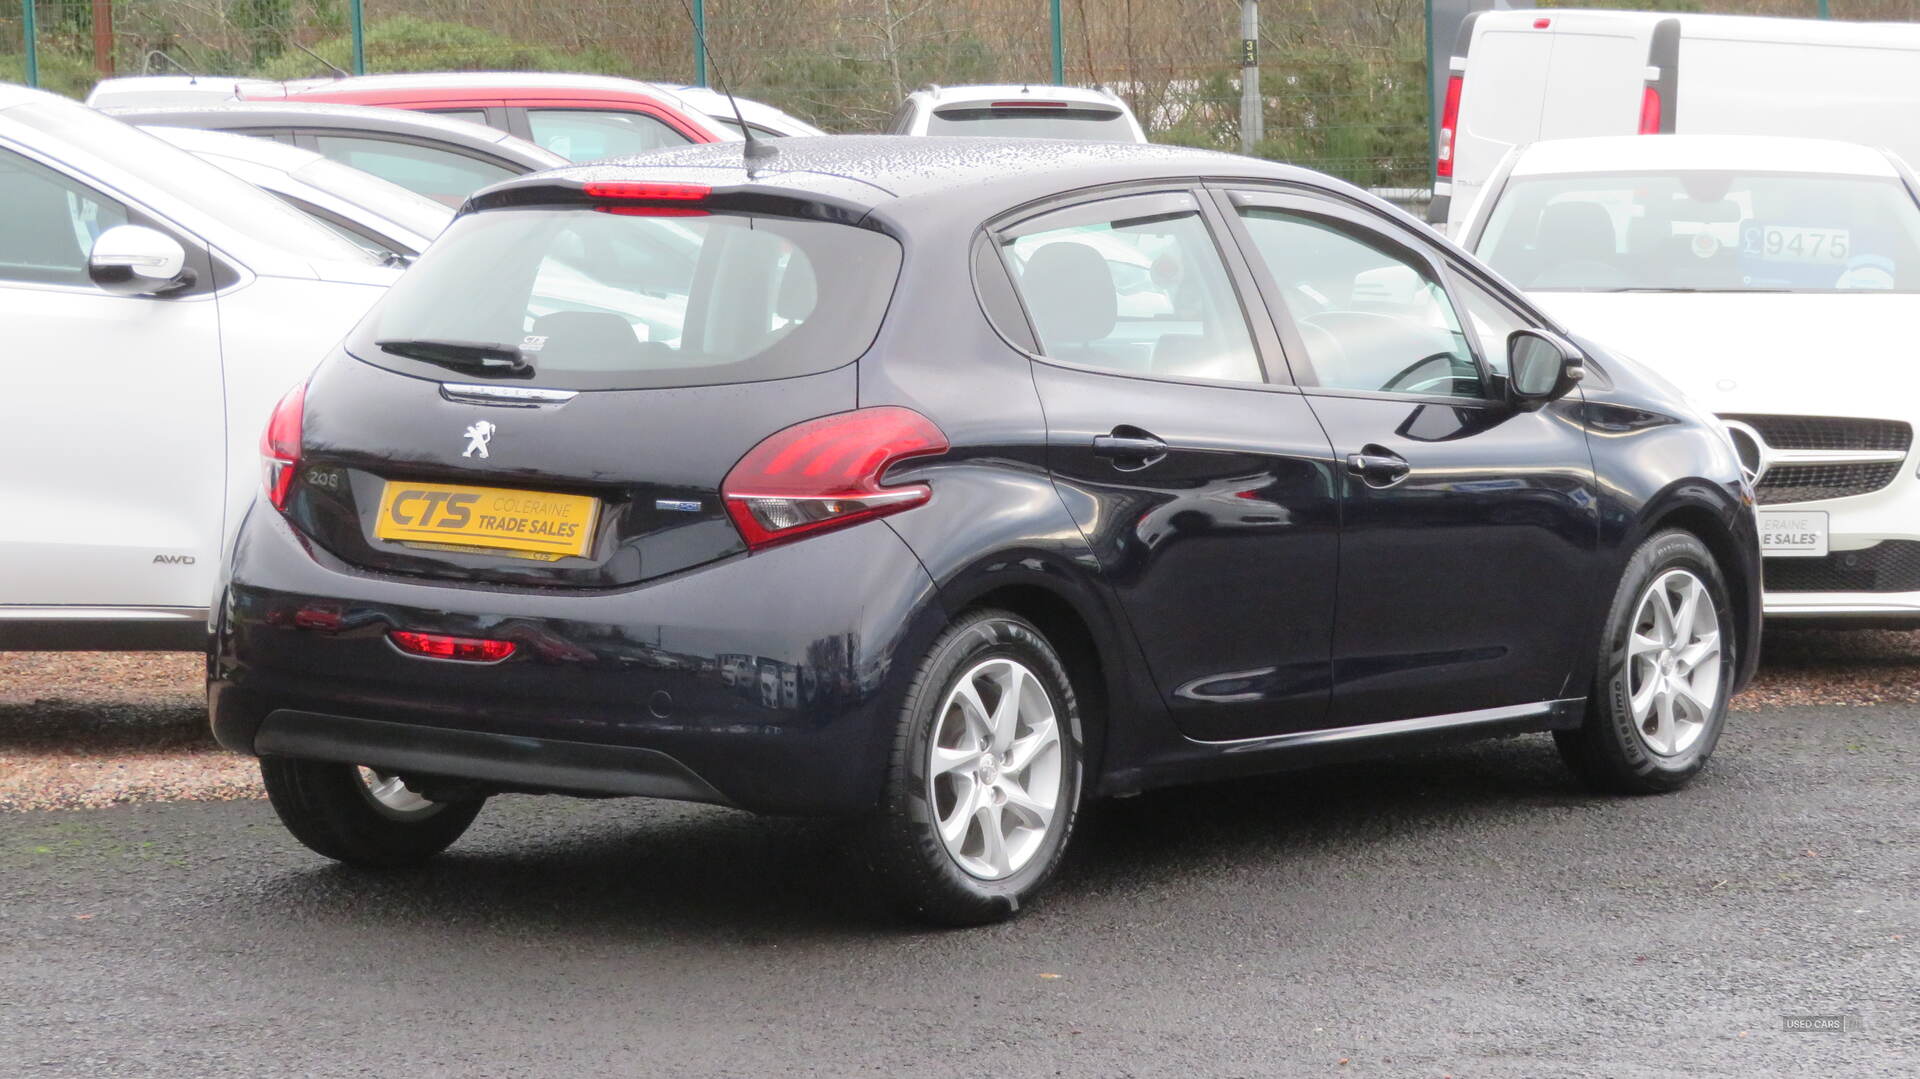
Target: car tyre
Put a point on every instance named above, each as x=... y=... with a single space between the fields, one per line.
x=360 y=816
x=983 y=775
x=1664 y=674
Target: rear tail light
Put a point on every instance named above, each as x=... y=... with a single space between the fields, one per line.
x=1449 y=120
x=280 y=445
x=825 y=474
x=442 y=646
x=1650 y=111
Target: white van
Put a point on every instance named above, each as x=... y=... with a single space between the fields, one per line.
x=1518 y=77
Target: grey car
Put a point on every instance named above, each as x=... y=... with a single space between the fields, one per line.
x=441 y=158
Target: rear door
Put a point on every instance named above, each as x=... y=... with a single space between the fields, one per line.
x=1469 y=529
x=1501 y=97
x=112 y=441
x=1195 y=471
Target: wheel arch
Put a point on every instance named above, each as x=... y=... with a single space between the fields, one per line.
x=1716 y=521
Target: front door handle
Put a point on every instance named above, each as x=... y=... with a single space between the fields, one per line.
x=1129 y=448
x=1377 y=466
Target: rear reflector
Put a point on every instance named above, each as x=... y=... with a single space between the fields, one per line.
x=441 y=646
x=280 y=445
x=825 y=474
x=647 y=192
x=1650 y=111
x=1449 y=122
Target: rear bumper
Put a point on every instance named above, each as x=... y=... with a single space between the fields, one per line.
x=769 y=681
x=510 y=762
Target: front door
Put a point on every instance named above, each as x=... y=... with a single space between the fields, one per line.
x=1469 y=529
x=112 y=428
x=1204 y=486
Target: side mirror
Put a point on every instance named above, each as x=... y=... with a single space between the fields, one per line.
x=133 y=260
x=1543 y=367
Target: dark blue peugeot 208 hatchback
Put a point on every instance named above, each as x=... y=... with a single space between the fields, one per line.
x=944 y=484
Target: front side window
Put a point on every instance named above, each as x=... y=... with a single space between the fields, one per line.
x=1143 y=291
x=1493 y=321
x=1705 y=231
x=50 y=223
x=442 y=175
x=1371 y=316
x=613 y=301
x=589 y=134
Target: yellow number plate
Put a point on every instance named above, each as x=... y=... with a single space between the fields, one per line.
x=523 y=523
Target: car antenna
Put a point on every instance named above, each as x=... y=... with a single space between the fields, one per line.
x=756 y=149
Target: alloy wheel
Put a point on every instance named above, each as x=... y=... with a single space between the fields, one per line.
x=1673 y=662
x=392 y=797
x=994 y=768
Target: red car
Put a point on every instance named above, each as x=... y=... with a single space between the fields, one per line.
x=579 y=117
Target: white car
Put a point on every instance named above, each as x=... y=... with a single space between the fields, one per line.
x=1777 y=282
x=1524 y=76
x=762 y=119
x=156 y=308
x=1017 y=111
x=389 y=221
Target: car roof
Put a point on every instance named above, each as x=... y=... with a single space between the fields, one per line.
x=1742 y=153
x=715 y=104
x=946 y=95
x=876 y=170
x=487 y=80
x=234 y=115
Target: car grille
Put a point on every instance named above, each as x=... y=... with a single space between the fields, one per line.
x=1892 y=566
x=1808 y=476
x=1810 y=483
x=1828 y=432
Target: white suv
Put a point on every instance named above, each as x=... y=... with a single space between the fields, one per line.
x=155 y=307
x=1777 y=281
x=1014 y=111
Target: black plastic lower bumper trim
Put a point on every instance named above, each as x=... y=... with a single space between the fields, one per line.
x=513 y=762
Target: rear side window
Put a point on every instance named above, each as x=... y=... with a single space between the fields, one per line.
x=1096 y=124
x=589 y=135
x=608 y=301
x=441 y=175
x=1136 y=286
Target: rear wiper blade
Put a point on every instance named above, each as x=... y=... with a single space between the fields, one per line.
x=485 y=357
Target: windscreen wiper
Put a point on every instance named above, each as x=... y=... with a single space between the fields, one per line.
x=484 y=357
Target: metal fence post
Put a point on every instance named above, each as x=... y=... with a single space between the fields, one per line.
x=1823 y=9
x=1059 y=51
x=358 y=18
x=28 y=32
x=1252 y=118
x=699 y=42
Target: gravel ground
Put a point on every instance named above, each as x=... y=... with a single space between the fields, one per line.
x=88 y=729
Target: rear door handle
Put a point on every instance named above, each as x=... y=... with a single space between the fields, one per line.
x=1129 y=448
x=1377 y=466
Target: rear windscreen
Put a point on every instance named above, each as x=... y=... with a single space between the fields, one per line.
x=592 y=300
x=1101 y=125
